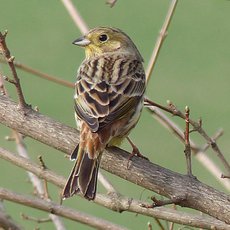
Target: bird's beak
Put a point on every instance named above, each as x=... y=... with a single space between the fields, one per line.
x=82 y=41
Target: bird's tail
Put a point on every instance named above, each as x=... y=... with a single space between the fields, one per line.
x=83 y=177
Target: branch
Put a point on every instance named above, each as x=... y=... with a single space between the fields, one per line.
x=200 y=155
x=5 y=220
x=10 y=60
x=196 y=125
x=160 y=39
x=59 y=210
x=36 y=182
x=144 y=173
x=116 y=202
x=75 y=15
x=40 y=74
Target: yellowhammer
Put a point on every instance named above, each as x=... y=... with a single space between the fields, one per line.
x=109 y=94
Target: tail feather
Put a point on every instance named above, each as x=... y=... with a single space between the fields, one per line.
x=92 y=186
x=74 y=154
x=83 y=177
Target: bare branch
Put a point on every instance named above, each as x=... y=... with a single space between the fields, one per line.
x=200 y=155
x=119 y=203
x=6 y=221
x=75 y=15
x=40 y=74
x=38 y=220
x=142 y=172
x=10 y=60
x=57 y=209
x=196 y=125
x=111 y=3
x=160 y=39
x=187 y=150
x=106 y=183
x=36 y=182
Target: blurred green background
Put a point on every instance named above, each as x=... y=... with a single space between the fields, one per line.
x=193 y=69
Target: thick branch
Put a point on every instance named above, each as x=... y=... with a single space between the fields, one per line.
x=117 y=202
x=144 y=173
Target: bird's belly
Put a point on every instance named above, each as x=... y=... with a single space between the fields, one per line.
x=123 y=132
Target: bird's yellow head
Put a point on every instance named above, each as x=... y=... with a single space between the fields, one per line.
x=101 y=40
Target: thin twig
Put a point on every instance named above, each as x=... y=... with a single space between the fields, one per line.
x=111 y=3
x=200 y=155
x=161 y=227
x=6 y=222
x=10 y=59
x=38 y=220
x=197 y=127
x=40 y=74
x=106 y=184
x=187 y=150
x=59 y=210
x=149 y=226
x=225 y=176
x=36 y=182
x=160 y=39
x=75 y=15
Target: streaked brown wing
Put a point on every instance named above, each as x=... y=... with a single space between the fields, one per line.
x=101 y=100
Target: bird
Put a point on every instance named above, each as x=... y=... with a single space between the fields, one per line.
x=108 y=100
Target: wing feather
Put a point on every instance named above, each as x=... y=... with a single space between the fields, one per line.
x=99 y=100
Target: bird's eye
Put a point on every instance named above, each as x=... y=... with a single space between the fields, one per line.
x=103 y=38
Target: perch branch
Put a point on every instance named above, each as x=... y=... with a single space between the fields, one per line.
x=142 y=172
x=162 y=118
x=120 y=203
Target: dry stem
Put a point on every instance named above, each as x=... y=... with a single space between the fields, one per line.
x=57 y=209
x=197 y=127
x=10 y=59
x=160 y=39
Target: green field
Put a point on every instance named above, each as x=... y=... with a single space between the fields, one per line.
x=193 y=69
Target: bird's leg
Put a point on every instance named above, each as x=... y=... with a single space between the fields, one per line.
x=135 y=151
